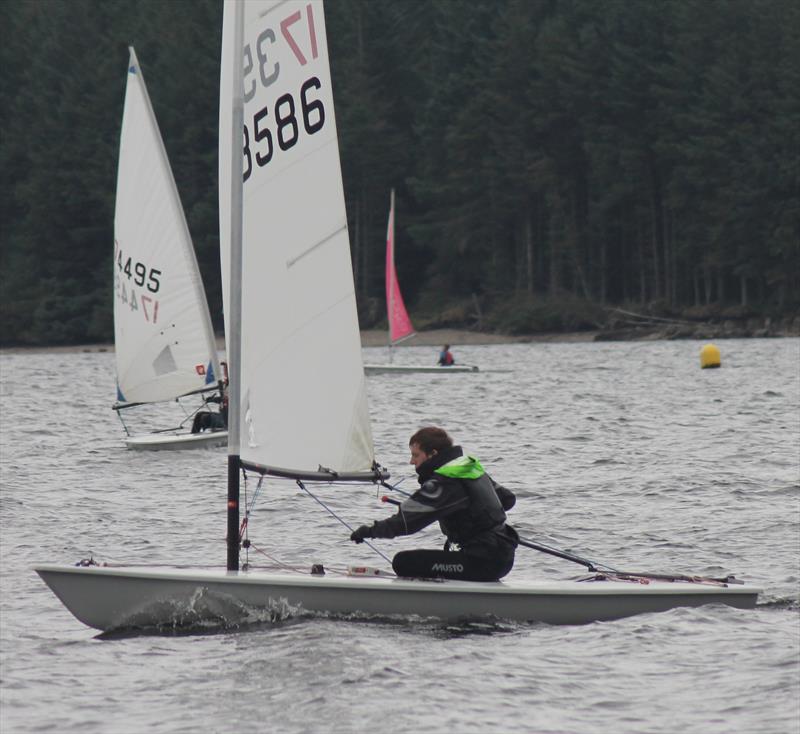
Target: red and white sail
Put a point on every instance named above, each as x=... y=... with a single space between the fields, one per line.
x=400 y=326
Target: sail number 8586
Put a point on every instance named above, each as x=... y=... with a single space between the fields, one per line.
x=285 y=126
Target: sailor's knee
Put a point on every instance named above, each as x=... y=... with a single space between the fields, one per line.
x=400 y=563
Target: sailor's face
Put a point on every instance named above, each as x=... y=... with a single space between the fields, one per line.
x=418 y=456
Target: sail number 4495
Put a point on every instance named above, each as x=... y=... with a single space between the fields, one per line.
x=138 y=272
x=130 y=273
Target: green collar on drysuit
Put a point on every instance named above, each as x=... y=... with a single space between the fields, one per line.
x=464 y=467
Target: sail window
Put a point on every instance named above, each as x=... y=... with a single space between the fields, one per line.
x=165 y=363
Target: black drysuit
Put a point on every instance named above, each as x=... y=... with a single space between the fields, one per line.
x=470 y=507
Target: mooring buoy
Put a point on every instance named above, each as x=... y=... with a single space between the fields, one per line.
x=709 y=356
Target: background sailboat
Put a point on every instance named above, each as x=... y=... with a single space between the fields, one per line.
x=400 y=326
x=164 y=341
x=273 y=236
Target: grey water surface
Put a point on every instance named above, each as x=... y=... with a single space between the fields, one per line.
x=625 y=453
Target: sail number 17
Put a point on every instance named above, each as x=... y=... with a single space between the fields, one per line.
x=280 y=122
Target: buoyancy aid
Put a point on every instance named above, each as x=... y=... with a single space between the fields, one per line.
x=484 y=512
x=457 y=492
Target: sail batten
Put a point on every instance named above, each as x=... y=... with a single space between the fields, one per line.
x=303 y=392
x=292 y=261
x=164 y=341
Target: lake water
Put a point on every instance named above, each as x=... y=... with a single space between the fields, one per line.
x=628 y=454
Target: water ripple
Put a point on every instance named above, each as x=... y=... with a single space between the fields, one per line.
x=633 y=457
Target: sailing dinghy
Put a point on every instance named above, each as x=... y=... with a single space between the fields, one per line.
x=288 y=254
x=400 y=326
x=164 y=342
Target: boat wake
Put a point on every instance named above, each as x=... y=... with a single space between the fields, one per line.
x=789 y=603
x=206 y=612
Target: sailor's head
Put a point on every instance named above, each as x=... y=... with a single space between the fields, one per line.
x=426 y=443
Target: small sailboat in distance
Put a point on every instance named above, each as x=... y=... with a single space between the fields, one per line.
x=165 y=347
x=400 y=326
x=288 y=420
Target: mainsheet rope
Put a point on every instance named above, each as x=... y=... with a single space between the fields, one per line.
x=601 y=569
x=395 y=487
x=341 y=520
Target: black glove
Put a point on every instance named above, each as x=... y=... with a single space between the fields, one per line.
x=358 y=535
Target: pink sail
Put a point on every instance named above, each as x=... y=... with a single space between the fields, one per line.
x=400 y=326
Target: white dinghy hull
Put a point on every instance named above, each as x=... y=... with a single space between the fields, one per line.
x=396 y=369
x=177 y=441
x=109 y=598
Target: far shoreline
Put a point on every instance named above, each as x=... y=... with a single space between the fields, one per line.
x=464 y=337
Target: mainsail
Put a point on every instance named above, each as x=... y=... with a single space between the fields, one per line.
x=302 y=388
x=164 y=341
x=400 y=326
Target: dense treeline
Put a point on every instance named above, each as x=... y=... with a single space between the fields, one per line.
x=549 y=156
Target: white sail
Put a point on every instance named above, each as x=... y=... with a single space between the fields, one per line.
x=164 y=340
x=303 y=391
x=224 y=157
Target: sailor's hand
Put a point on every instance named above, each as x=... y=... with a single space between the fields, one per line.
x=358 y=535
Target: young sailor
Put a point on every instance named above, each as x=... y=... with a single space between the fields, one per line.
x=469 y=505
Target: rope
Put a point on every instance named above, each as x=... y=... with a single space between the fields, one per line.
x=248 y=507
x=344 y=522
x=189 y=416
x=244 y=523
x=394 y=487
x=124 y=425
x=298 y=569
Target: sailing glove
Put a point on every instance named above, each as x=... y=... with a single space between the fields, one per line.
x=358 y=535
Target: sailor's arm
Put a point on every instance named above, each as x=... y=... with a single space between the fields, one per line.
x=431 y=502
x=507 y=498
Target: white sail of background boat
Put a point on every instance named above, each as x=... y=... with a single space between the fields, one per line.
x=285 y=207
x=400 y=326
x=164 y=341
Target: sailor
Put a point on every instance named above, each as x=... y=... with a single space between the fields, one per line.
x=446 y=358
x=469 y=505
x=205 y=419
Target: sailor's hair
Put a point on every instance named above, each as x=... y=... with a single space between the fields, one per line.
x=430 y=439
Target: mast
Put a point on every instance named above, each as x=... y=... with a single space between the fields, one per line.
x=235 y=337
x=390 y=238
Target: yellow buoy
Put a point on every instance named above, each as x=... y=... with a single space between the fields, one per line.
x=709 y=356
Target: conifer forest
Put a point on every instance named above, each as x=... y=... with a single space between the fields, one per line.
x=552 y=159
